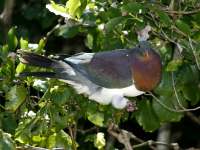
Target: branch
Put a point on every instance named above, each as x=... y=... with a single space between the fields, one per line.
x=194 y=53
x=72 y=132
x=121 y=135
x=94 y=128
x=182 y=12
x=124 y=137
x=164 y=136
x=6 y=15
x=171 y=109
x=109 y=142
x=173 y=146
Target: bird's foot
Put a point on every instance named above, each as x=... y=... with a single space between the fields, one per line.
x=131 y=106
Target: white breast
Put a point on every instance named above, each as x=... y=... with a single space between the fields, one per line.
x=106 y=96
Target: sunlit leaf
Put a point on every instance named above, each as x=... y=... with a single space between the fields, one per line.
x=72 y=7
x=12 y=39
x=173 y=65
x=57 y=9
x=41 y=45
x=20 y=68
x=23 y=43
x=96 y=117
x=100 y=141
x=60 y=139
x=40 y=85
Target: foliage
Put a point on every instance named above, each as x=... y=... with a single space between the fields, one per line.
x=48 y=113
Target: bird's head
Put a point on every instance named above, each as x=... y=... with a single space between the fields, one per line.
x=144 y=50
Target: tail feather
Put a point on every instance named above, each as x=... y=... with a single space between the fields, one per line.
x=34 y=59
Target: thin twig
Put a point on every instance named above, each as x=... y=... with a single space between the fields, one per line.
x=176 y=94
x=71 y=132
x=194 y=53
x=124 y=137
x=109 y=142
x=94 y=128
x=121 y=135
x=29 y=147
x=183 y=12
x=171 y=109
x=175 y=146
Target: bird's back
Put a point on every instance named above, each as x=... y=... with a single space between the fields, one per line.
x=110 y=69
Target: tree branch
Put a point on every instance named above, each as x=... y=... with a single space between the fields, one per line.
x=6 y=15
x=164 y=136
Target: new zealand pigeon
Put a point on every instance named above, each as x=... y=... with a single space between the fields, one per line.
x=105 y=77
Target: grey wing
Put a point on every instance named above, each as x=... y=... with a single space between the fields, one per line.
x=109 y=69
x=80 y=58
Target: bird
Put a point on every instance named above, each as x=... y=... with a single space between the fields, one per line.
x=107 y=77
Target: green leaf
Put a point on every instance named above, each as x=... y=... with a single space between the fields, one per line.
x=73 y=7
x=40 y=85
x=133 y=7
x=57 y=9
x=60 y=139
x=20 y=68
x=67 y=31
x=8 y=122
x=146 y=117
x=23 y=44
x=41 y=45
x=112 y=23
x=173 y=65
x=100 y=141
x=60 y=95
x=15 y=97
x=6 y=143
x=96 y=117
x=89 y=41
x=184 y=27
x=60 y=118
x=5 y=51
x=164 y=18
x=165 y=86
x=191 y=92
x=165 y=115
x=12 y=39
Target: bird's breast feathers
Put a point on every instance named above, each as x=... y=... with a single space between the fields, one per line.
x=146 y=71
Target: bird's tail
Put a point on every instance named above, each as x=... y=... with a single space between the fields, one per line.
x=35 y=59
x=61 y=70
